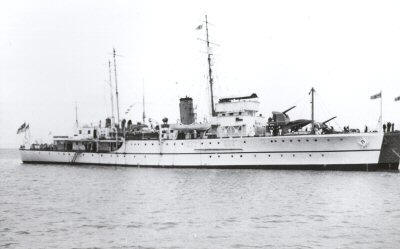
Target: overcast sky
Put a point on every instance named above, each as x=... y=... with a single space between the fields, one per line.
x=54 y=53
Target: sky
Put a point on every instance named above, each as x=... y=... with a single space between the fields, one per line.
x=54 y=54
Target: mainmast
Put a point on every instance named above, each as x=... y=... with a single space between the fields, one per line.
x=210 y=78
x=111 y=95
x=116 y=84
x=312 y=109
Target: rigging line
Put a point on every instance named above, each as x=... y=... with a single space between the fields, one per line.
x=325 y=109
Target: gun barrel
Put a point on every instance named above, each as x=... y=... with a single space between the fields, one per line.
x=284 y=112
x=329 y=120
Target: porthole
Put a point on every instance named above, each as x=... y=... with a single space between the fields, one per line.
x=299 y=140
x=341 y=139
x=152 y=144
x=272 y=141
x=310 y=155
x=209 y=142
x=269 y=155
x=322 y=155
x=219 y=156
x=202 y=143
x=231 y=155
x=255 y=155
x=294 y=155
x=328 y=140
x=307 y=140
x=283 y=141
x=244 y=142
x=275 y=141
x=181 y=143
x=210 y=156
x=291 y=140
x=144 y=144
x=281 y=155
x=174 y=144
x=217 y=142
x=241 y=155
x=315 y=140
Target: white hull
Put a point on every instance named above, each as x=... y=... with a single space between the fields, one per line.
x=303 y=151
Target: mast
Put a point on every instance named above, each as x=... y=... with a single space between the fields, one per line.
x=144 y=110
x=381 y=115
x=76 y=115
x=312 y=109
x=111 y=93
x=116 y=84
x=210 y=78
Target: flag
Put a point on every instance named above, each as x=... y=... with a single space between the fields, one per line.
x=21 y=128
x=199 y=27
x=377 y=96
x=397 y=98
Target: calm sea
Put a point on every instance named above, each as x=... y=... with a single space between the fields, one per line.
x=54 y=206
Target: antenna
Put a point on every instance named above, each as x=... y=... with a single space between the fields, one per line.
x=210 y=78
x=111 y=93
x=144 y=110
x=116 y=84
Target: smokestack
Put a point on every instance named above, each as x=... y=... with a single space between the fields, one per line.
x=186 y=110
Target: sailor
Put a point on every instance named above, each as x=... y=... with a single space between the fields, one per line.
x=366 y=129
x=384 y=127
x=389 y=126
x=392 y=127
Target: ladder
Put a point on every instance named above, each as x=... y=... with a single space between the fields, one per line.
x=73 y=160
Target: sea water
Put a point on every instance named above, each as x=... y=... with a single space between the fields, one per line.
x=64 y=206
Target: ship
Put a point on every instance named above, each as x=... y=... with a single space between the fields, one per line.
x=235 y=135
